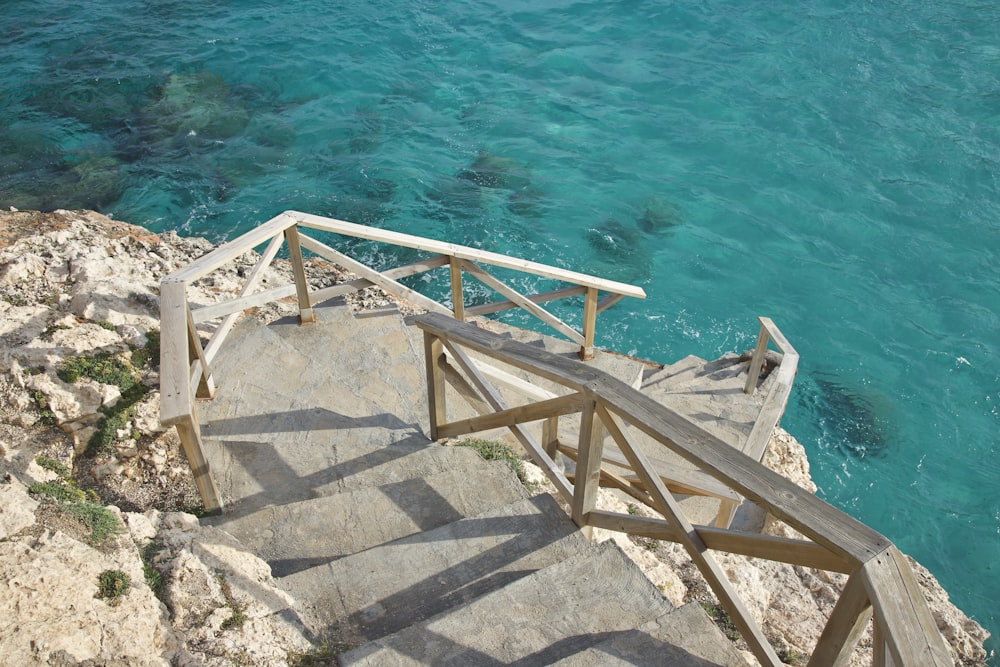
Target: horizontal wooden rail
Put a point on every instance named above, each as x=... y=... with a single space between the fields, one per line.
x=880 y=582
x=186 y=361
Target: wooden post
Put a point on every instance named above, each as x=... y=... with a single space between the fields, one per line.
x=550 y=440
x=306 y=314
x=433 y=358
x=457 y=294
x=588 y=466
x=845 y=626
x=206 y=385
x=727 y=510
x=880 y=650
x=589 y=324
x=190 y=435
x=753 y=370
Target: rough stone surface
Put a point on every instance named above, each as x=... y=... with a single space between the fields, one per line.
x=52 y=611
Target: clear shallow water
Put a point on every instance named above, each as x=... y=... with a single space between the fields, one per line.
x=833 y=167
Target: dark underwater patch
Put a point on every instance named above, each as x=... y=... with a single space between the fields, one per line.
x=856 y=421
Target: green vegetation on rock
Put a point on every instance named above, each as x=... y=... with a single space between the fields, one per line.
x=121 y=371
x=82 y=505
x=493 y=450
x=113 y=585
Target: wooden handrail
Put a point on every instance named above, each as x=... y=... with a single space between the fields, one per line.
x=880 y=581
x=185 y=361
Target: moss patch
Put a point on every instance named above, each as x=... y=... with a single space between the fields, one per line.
x=121 y=371
x=113 y=585
x=239 y=616
x=83 y=506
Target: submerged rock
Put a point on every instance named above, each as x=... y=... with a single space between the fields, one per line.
x=620 y=251
x=856 y=419
x=493 y=171
x=659 y=215
x=199 y=103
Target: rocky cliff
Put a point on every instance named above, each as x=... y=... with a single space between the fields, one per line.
x=102 y=560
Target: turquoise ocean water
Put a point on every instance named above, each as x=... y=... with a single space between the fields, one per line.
x=832 y=165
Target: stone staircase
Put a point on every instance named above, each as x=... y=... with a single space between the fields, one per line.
x=416 y=553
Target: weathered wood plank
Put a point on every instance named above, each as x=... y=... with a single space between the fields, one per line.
x=521 y=414
x=524 y=302
x=754 y=545
x=237 y=305
x=609 y=301
x=196 y=355
x=589 y=324
x=678 y=480
x=523 y=387
x=190 y=436
x=847 y=623
x=306 y=315
x=588 y=464
x=692 y=542
x=779 y=338
x=374 y=276
x=433 y=358
x=544 y=297
x=756 y=361
x=768 y=418
x=806 y=513
x=334 y=291
x=911 y=633
x=227 y=252
x=175 y=384
x=457 y=293
x=463 y=252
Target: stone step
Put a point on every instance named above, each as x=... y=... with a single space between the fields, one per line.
x=283 y=381
x=557 y=612
x=253 y=475
x=387 y=588
x=304 y=534
x=672 y=373
x=685 y=637
x=709 y=394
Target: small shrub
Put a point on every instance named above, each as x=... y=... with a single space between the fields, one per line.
x=114 y=370
x=104 y=368
x=113 y=585
x=59 y=490
x=45 y=414
x=141 y=356
x=52 y=465
x=101 y=521
x=722 y=619
x=153 y=577
x=632 y=508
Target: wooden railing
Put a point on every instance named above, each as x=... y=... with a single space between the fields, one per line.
x=881 y=586
x=186 y=361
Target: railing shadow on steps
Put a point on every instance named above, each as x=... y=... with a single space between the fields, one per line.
x=881 y=584
x=186 y=361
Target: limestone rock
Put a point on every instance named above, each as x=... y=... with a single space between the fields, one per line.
x=17 y=508
x=52 y=610
x=222 y=600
